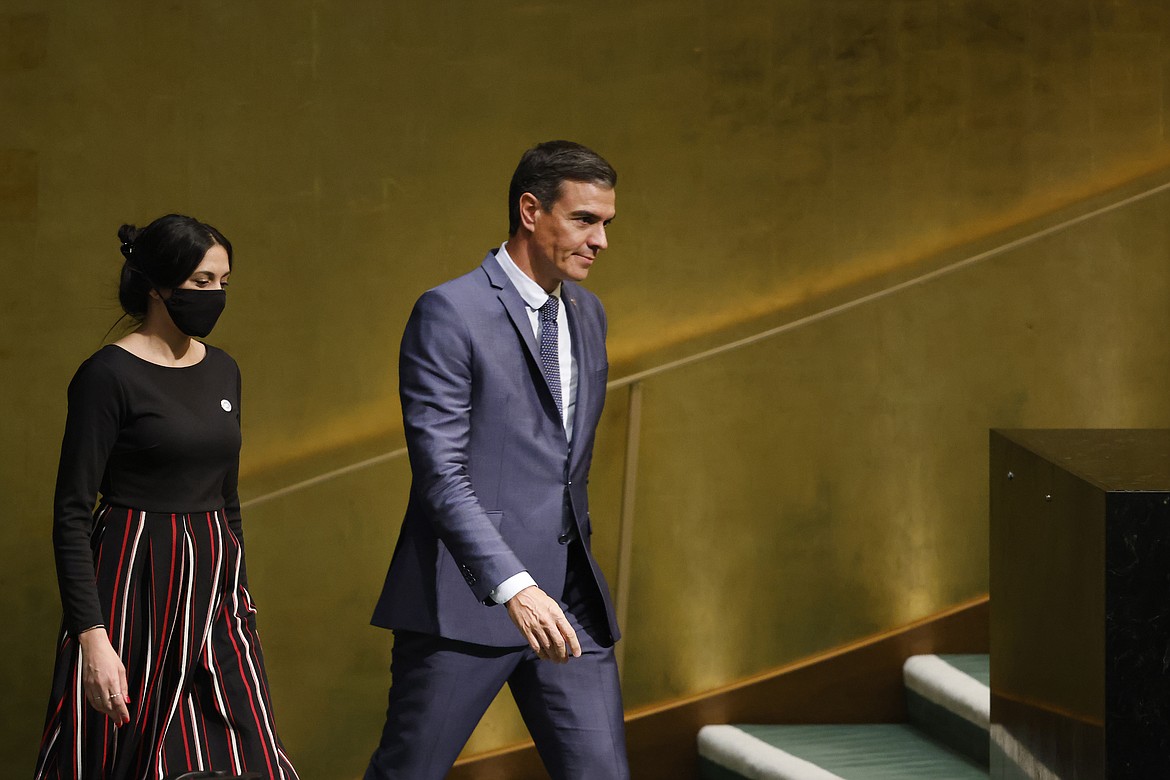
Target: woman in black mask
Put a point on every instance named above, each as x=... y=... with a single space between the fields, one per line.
x=159 y=669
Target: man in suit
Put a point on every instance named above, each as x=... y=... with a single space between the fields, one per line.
x=502 y=376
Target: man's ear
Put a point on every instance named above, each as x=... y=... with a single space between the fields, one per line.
x=529 y=209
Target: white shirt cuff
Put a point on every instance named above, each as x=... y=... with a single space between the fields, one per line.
x=511 y=586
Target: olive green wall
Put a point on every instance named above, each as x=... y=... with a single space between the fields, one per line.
x=776 y=156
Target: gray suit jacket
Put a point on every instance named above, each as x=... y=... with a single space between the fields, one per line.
x=490 y=463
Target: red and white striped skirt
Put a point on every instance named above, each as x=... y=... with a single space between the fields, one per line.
x=179 y=615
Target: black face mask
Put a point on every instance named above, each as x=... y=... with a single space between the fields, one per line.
x=195 y=311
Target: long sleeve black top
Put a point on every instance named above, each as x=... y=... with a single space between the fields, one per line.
x=146 y=437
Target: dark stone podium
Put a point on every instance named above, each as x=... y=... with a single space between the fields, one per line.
x=1080 y=604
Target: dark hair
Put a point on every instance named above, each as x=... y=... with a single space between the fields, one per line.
x=162 y=255
x=545 y=166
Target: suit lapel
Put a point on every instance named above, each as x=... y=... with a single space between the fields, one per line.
x=518 y=313
x=513 y=304
x=580 y=351
x=585 y=352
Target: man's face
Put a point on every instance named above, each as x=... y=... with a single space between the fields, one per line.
x=567 y=238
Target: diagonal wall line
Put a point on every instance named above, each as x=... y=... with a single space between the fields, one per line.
x=328 y=475
x=885 y=292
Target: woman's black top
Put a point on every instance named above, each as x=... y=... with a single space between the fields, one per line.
x=146 y=437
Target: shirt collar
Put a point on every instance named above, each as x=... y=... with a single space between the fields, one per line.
x=532 y=293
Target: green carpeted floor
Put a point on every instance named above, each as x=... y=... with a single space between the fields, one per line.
x=884 y=751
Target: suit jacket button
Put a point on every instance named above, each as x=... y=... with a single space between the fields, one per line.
x=563 y=539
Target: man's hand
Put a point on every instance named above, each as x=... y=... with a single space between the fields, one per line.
x=544 y=625
x=103 y=676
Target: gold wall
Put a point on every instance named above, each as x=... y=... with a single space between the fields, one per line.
x=776 y=157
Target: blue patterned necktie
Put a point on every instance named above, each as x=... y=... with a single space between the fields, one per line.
x=550 y=359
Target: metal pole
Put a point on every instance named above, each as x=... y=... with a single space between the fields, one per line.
x=626 y=521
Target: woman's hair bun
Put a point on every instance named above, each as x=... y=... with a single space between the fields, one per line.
x=127 y=235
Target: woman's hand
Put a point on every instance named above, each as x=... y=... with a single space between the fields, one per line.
x=103 y=677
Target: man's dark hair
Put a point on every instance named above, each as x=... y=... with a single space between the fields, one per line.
x=545 y=166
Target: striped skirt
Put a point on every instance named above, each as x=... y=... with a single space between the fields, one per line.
x=179 y=615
